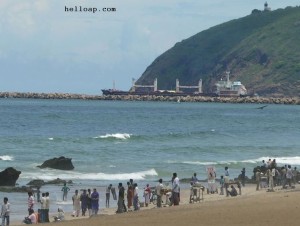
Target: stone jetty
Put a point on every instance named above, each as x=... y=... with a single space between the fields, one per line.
x=248 y=99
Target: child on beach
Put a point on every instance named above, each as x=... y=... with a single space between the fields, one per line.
x=5 y=210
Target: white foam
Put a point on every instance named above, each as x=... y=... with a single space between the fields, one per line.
x=73 y=175
x=64 y=202
x=50 y=138
x=122 y=136
x=6 y=158
x=199 y=163
x=279 y=160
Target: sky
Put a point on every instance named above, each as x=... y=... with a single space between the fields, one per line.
x=46 y=47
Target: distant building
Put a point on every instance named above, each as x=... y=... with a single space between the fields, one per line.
x=267 y=8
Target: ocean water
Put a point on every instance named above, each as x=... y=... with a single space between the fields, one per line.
x=113 y=141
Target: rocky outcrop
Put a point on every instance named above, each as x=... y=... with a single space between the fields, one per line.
x=39 y=183
x=58 y=181
x=36 y=183
x=9 y=189
x=9 y=176
x=60 y=163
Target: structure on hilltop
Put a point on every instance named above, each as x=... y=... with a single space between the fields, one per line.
x=266 y=7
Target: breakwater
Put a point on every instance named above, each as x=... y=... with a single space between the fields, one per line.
x=256 y=100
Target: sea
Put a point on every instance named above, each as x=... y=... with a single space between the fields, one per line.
x=114 y=141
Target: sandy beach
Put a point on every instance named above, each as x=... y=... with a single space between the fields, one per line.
x=251 y=208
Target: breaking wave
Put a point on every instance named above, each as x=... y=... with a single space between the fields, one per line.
x=52 y=174
x=280 y=161
x=6 y=158
x=122 y=136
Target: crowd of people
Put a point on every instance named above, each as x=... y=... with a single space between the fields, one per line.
x=284 y=176
x=87 y=203
x=43 y=214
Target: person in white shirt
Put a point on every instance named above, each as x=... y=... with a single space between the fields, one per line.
x=158 y=190
x=30 y=202
x=76 y=204
x=43 y=206
x=47 y=207
x=60 y=214
x=5 y=210
x=175 y=189
x=136 y=197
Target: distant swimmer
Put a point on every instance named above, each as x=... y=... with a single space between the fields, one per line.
x=262 y=107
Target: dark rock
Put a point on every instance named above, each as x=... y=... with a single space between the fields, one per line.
x=59 y=181
x=10 y=189
x=36 y=183
x=9 y=176
x=60 y=163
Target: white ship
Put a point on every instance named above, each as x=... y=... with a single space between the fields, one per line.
x=229 y=88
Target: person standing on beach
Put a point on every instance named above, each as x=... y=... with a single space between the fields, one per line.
x=175 y=190
x=295 y=174
x=76 y=203
x=194 y=179
x=5 y=210
x=89 y=202
x=270 y=177
x=136 y=197
x=283 y=176
x=43 y=207
x=107 y=195
x=159 y=187
x=222 y=185
x=289 y=175
x=257 y=179
x=47 y=207
x=84 y=201
x=226 y=174
x=129 y=195
x=121 y=201
x=30 y=202
x=147 y=194
x=65 y=190
x=243 y=176
x=95 y=202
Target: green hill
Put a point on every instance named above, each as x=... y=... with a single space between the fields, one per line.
x=262 y=50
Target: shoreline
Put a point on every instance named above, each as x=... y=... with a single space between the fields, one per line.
x=69 y=96
x=255 y=203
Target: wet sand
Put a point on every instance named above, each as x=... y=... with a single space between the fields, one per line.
x=251 y=208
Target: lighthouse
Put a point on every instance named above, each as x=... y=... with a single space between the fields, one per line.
x=266 y=7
